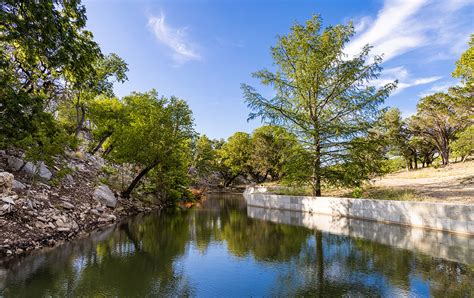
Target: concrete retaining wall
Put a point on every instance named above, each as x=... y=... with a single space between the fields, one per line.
x=454 y=247
x=437 y=216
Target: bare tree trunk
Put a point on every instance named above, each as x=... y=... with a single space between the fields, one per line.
x=444 y=152
x=227 y=182
x=107 y=151
x=101 y=141
x=136 y=180
x=317 y=171
x=81 y=115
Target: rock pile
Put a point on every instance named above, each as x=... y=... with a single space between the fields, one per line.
x=36 y=214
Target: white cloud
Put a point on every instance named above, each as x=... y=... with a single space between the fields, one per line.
x=440 y=87
x=404 y=79
x=174 y=38
x=405 y=25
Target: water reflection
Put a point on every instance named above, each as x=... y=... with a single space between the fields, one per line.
x=226 y=249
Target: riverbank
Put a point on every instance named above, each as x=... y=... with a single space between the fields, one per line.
x=47 y=209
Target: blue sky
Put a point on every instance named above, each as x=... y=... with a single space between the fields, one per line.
x=202 y=51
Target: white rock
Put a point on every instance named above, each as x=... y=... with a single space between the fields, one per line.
x=9 y=200
x=104 y=195
x=18 y=185
x=67 y=205
x=6 y=182
x=43 y=172
x=15 y=163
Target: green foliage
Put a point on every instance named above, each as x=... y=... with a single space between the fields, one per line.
x=465 y=64
x=321 y=94
x=441 y=116
x=106 y=70
x=154 y=136
x=272 y=147
x=393 y=165
x=357 y=192
x=463 y=146
x=234 y=156
x=44 y=41
x=106 y=114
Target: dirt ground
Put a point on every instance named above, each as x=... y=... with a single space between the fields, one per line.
x=451 y=184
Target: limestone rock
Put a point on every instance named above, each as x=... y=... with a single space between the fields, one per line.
x=17 y=185
x=9 y=199
x=104 y=195
x=15 y=163
x=43 y=172
x=67 y=205
x=6 y=182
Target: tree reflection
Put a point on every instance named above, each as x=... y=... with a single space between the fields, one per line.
x=145 y=255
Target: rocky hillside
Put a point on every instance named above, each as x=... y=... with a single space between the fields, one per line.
x=43 y=206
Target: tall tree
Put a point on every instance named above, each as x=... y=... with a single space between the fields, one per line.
x=45 y=40
x=157 y=129
x=322 y=95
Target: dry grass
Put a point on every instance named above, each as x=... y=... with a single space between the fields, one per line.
x=451 y=184
x=454 y=184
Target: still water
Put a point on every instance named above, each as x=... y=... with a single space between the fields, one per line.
x=225 y=248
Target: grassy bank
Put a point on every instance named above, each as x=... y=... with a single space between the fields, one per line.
x=451 y=184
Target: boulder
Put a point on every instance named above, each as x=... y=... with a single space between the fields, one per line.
x=43 y=172
x=6 y=182
x=67 y=205
x=17 y=185
x=104 y=195
x=15 y=163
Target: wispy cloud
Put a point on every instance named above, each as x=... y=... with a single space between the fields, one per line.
x=405 y=25
x=174 y=38
x=405 y=80
x=439 y=87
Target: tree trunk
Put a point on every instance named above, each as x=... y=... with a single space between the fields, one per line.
x=444 y=151
x=128 y=191
x=101 y=141
x=227 y=182
x=80 y=117
x=107 y=151
x=317 y=171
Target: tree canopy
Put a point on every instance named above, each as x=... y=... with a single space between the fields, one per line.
x=322 y=95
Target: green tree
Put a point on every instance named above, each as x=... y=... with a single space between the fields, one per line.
x=156 y=131
x=99 y=81
x=106 y=115
x=463 y=146
x=272 y=147
x=465 y=64
x=440 y=117
x=234 y=157
x=44 y=41
x=321 y=94
x=204 y=160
